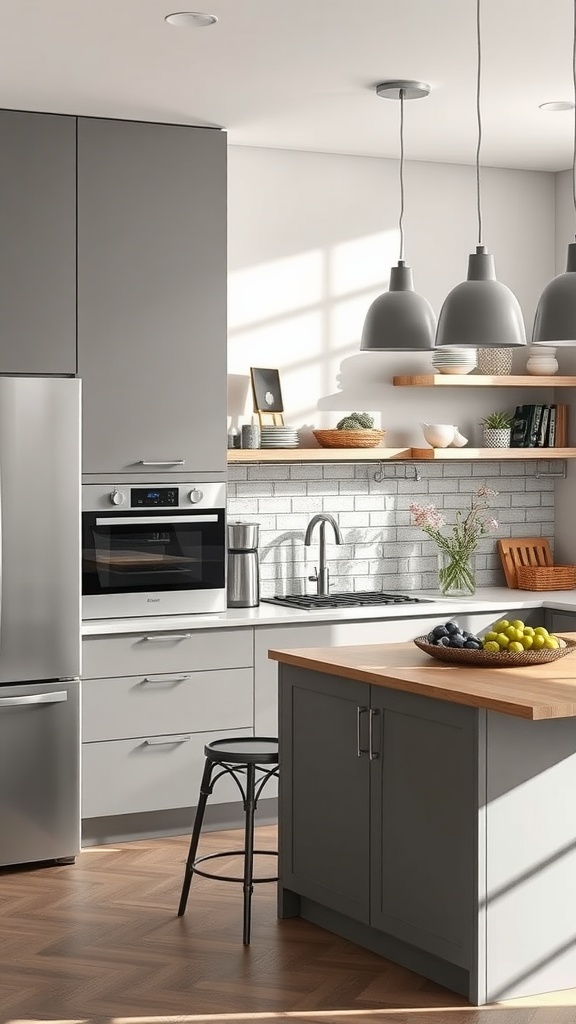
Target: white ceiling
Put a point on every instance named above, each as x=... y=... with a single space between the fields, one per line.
x=300 y=74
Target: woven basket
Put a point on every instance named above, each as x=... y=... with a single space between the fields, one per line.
x=350 y=438
x=546 y=577
x=488 y=659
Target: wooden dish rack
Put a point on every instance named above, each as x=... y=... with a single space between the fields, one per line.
x=528 y=565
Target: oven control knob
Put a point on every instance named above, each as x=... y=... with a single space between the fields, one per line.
x=195 y=496
x=116 y=498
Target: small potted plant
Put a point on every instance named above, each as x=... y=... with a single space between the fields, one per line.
x=497 y=429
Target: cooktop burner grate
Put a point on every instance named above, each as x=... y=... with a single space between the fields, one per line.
x=356 y=600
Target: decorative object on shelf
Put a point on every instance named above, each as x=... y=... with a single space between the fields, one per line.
x=454 y=360
x=480 y=311
x=497 y=429
x=400 y=320
x=267 y=395
x=490 y=659
x=250 y=435
x=528 y=565
x=458 y=441
x=456 y=573
x=439 y=435
x=542 y=361
x=555 y=319
x=495 y=362
x=278 y=437
x=233 y=438
x=350 y=438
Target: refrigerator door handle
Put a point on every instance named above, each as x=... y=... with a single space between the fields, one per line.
x=34 y=698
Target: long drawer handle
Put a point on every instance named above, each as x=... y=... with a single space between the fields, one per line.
x=145 y=520
x=166 y=679
x=359 y=713
x=34 y=698
x=169 y=636
x=162 y=462
x=372 y=754
x=165 y=741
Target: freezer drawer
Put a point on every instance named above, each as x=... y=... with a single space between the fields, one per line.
x=39 y=772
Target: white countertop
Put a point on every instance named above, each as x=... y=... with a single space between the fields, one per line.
x=485 y=600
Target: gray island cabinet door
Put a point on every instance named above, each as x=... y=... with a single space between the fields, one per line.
x=38 y=243
x=325 y=803
x=152 y=296
x=423 y=800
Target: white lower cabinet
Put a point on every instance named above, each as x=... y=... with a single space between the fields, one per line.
x=144 y=726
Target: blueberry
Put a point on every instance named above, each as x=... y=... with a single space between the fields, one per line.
x=457 y=641
x=452 y=627
x=473 y=645
x=467 y=635
x=439 y=631
x=444 y=641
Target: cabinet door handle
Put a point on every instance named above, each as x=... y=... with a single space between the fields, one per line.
x=359 y=748
x=162 y=462
x=372 y=754
x=34 y=698
x=168 y=636
x=165 y=679
x=166 y=741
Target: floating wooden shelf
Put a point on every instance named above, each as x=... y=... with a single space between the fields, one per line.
x=497 y=454
x=259 y=455
x=476 y=380
x=316 y=454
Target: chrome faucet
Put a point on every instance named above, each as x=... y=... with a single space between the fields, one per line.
x=322 y=576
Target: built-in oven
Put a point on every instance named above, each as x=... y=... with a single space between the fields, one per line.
x=153 y=549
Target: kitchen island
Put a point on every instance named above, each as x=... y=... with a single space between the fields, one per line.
x=428 y=812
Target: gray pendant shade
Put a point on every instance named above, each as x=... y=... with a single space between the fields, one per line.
x=555 y=320
x=481 y=311
x=399 y=320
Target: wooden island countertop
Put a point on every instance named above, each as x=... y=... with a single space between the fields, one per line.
x=540 y=692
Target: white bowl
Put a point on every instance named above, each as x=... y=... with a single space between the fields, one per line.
x=463 y=370
x=438 y=435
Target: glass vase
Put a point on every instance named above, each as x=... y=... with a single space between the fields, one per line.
x=456 y=574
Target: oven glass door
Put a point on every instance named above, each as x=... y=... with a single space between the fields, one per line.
x=135 y=552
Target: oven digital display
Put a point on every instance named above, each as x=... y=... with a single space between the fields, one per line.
x=153 y=497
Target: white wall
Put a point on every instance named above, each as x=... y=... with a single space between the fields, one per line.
x=311 y=241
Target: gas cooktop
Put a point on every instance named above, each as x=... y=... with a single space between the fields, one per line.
x=358 y=600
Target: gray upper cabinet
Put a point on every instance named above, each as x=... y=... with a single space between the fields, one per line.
x=38 y=243
x=152 y=297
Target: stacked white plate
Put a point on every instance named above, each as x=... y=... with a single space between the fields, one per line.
x=454 y=359
x=278 y=437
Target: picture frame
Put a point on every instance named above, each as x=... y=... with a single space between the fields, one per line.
x=266 y=390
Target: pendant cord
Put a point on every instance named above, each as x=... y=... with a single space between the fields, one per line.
x=479 y=118
x=401 y=218
x=574 y=90
x=574 y=97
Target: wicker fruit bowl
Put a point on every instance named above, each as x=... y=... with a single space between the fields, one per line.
x=350 y=438
x=489 y=659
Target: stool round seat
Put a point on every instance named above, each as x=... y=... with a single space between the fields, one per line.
x=243 y=750
x=251 y=761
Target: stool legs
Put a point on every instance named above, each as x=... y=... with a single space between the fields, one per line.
x=202 y=801
x=249 y=808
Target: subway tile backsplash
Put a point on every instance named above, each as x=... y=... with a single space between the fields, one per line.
x=370 y=502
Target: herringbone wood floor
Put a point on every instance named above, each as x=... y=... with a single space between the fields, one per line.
x=99 y=941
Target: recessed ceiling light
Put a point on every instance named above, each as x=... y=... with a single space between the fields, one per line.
x=557 y=105
x=191 y=19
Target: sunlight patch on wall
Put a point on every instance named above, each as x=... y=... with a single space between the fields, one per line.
x=276 y=288
x=362 y=263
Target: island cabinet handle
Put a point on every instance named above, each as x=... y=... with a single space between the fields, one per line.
x=372 y=754
x=359 y=748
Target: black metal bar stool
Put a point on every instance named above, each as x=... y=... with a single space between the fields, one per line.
x=251 y=760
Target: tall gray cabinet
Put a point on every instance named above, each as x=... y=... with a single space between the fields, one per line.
x=152 y=297
x=38 y=243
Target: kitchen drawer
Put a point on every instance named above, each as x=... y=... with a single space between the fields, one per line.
x=128 y=776
x=183 y=701
x=166 y=651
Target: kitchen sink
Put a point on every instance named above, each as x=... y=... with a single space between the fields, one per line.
x=368 y=598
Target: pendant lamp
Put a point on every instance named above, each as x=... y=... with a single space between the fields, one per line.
x=481 y=311
x=400 y=320
x=555 y=320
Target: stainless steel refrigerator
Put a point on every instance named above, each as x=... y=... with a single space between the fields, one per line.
x=39 y=619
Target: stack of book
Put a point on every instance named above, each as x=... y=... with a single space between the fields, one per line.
x=539 y=426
